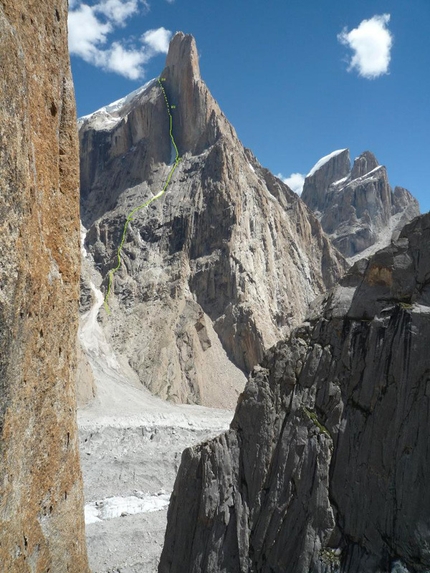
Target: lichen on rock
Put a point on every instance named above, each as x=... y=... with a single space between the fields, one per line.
x=41 y=500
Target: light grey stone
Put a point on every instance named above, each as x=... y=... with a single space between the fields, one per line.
x=325 y=466
x=357 y=207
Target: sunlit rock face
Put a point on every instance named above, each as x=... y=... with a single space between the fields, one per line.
x=41 y=501
x=218 y=269
x=325 y=466
x=356 y=206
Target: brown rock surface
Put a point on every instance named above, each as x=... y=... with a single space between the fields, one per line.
x=41 y=513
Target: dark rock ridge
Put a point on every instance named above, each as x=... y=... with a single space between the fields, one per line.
x=219 y=268
x=41 y=494
x=325 y=467
x=357 y=207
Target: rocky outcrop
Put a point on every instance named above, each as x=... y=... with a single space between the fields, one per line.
x=216 y=270
x=356 y=207
x=325 y=466
x=41 y=500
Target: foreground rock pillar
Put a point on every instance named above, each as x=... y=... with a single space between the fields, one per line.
x=41 y=501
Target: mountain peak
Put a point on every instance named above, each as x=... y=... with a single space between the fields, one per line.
x=327 y=170
x=182 y=57
x=197 y=121
x=356 y=207
x=363 y=164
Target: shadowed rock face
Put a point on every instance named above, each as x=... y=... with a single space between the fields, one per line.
x=325 y=466
x=41 y=501
x=220 y=267
x=356 y=207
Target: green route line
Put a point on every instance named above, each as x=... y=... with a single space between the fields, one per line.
x=147 y=203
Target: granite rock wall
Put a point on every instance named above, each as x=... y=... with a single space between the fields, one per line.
x=41 y=501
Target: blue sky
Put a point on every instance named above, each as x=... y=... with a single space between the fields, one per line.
x=296 y=78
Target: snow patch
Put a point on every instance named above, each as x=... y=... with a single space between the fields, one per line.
x=340 y=181
x=117 y=105
x=421 y=309
x=112 y=507
x=84 y=252
x=250 y=166
x=110 y=115
x=345 y=180
x=91 y=514
x=323 y=161
x=90 y=332
x=373 y=170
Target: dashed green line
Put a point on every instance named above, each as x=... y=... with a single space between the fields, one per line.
x=147 y=203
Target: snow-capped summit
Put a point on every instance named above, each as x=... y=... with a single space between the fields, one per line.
x=324 y=160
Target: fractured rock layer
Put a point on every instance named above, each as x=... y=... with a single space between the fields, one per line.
x=41 y=501
x=325 y=466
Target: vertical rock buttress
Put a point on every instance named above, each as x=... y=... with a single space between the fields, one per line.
x=41 y=500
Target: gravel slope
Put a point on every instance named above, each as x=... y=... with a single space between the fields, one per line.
x=130 y=445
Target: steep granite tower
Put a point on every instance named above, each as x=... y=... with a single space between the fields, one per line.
x=219 y=268
x=41 y=502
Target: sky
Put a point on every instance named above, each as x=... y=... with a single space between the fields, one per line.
x=296 y=78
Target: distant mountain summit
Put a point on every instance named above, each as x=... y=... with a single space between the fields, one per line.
x=356 y=206
x=218 y=269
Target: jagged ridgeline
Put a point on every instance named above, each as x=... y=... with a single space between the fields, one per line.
x=218 y=269
x=356 y=206
x=325 y=468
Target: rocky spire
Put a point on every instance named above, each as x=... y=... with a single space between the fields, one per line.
x=363 y=164
x=182 y=58
x=210 y=265
x=197 y=119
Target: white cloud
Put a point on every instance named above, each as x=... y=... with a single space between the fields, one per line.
x=157 y=40
x=86 y=32
x=294 y=181
x=123 y=61
x=371 y=43
x=117 y=11
x=91 y=26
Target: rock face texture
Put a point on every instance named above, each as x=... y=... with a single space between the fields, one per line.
x=356 y=207
x=325 y=466
x=41 y=501
x=219 y=268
